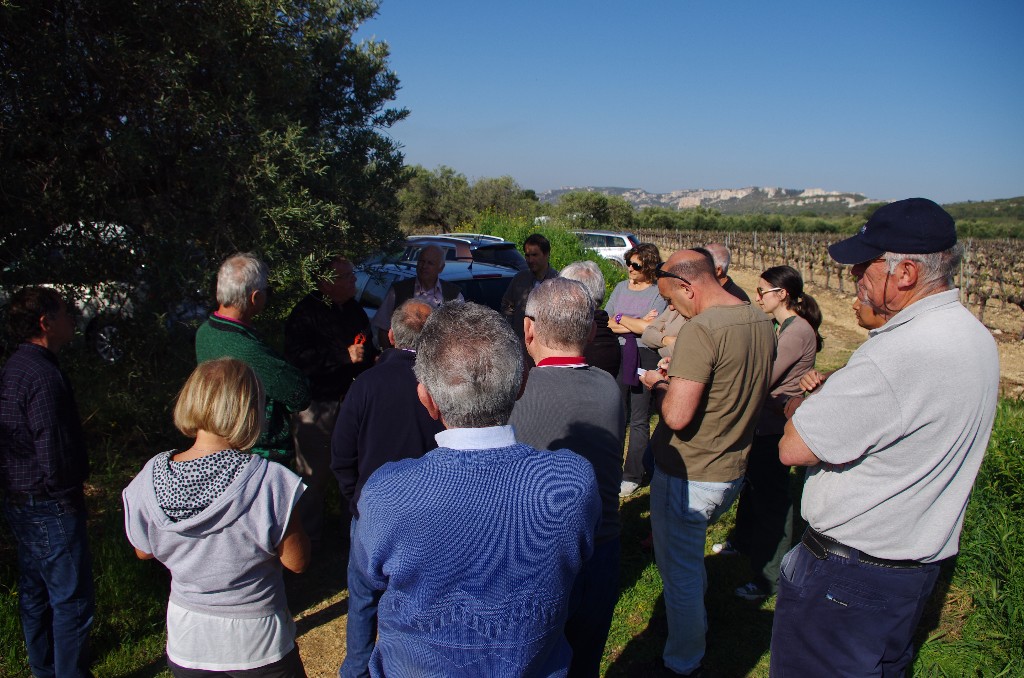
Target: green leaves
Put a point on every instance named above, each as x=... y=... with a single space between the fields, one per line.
x=232 y=125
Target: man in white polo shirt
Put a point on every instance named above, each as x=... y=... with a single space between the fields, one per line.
x=894 y=441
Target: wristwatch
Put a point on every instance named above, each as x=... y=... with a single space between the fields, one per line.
x=618 y=318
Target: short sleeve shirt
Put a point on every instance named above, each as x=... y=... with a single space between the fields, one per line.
x=901 y=432
x=730 y=350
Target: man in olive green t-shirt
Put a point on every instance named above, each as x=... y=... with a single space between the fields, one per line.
x=709 y=404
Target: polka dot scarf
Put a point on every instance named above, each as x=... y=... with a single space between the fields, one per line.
x=185 y=488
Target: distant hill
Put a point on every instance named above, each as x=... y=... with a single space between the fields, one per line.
x=1008 y=210
x=751 y=200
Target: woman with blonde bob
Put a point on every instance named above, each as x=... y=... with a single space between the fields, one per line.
x=221 y=520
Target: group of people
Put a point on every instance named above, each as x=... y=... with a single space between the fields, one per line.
x=481 y=462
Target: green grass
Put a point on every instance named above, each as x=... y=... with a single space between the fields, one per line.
x=981 y=630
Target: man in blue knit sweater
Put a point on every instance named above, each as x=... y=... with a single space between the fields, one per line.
x=476 y=544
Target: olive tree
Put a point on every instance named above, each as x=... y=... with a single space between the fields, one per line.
x=152 y=137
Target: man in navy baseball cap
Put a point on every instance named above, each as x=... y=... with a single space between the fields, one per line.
x=911 y=226
x=894 y=441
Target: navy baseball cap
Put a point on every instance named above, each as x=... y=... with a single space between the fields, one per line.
x=911 y=226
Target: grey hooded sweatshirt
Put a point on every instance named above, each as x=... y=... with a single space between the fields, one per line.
x=224 y=560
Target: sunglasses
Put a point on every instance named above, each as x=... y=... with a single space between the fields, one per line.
x=636 y=266
x=660 y=273
x=761 y=292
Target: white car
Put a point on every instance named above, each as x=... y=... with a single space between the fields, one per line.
x=609 y=244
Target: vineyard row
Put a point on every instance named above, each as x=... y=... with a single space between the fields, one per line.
x=991 y=269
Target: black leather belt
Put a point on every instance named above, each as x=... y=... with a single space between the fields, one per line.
x=25 y=498
x=71 y=497
x=820 y=546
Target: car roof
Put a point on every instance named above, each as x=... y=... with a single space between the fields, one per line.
x=474 y=240
x=475 y=237
x=453 y=270
x=625 y=233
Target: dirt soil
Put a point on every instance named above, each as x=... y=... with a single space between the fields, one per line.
x=324 y=601
x=843 y=335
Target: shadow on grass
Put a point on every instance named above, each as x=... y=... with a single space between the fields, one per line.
x=739 y=631
x=636 y=526
x=151 y=670
x=325 y=577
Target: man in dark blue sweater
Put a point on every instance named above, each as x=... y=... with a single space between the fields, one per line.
x=381 y=420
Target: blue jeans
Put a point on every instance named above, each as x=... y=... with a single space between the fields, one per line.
x=839 y=616
x=361 y=629
x=591 y=608
x=55 y=585
x=681 y=511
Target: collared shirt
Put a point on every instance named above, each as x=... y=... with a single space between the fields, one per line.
x=563 y=361
x=486 y=438
x=433 y=296
x=901 y=431
x=42 y=448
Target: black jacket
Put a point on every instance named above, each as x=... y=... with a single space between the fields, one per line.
x=316 y=340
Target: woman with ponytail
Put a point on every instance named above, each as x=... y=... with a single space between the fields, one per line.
x=764 y=517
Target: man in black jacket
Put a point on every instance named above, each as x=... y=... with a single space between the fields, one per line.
x=427 y=287
x=327 y=336
x=381 y=420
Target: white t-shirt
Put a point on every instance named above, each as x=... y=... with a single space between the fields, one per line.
x=201 y=641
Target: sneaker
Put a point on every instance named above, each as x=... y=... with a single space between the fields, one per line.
x=724 y=549
x=751 y=591
x=628 y=487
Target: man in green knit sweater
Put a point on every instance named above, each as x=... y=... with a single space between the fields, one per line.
x=241 y=295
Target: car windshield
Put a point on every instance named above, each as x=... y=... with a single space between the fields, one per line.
x=486 y=291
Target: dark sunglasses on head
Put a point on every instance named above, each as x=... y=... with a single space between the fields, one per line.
x=636 y=266
x=660 y=273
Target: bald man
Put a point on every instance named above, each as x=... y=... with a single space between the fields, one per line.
x=709 y=400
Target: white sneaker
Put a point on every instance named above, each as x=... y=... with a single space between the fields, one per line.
x=628 y=487
x=724 y=549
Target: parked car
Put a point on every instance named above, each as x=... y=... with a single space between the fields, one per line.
x=486 y=249
x=482 y=283
x=609 y=244
x=103 y=299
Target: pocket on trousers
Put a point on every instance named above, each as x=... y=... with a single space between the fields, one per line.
x=797 y=566
x=849 y=594
x=34 y=536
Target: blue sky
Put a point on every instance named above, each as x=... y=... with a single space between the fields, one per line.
x=890 y=99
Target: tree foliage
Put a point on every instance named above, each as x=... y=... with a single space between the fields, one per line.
x=443 y=199
x=209 y=126
x=434 y=199
x=589 y=209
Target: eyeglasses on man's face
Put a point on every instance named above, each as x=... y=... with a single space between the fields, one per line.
x=636 y=266
x=660 y=273
x=762 y=292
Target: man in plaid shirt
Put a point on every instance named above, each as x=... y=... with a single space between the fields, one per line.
x=43 y=465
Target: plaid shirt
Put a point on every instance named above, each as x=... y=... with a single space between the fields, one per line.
x=42 y=448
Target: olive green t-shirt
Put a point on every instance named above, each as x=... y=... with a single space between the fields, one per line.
x=730 y=349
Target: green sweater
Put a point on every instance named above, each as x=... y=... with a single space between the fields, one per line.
x=286 y=387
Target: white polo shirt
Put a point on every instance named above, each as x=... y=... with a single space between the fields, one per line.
x=901 y=432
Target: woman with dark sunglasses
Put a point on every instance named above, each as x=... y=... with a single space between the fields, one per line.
x=633 y=304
